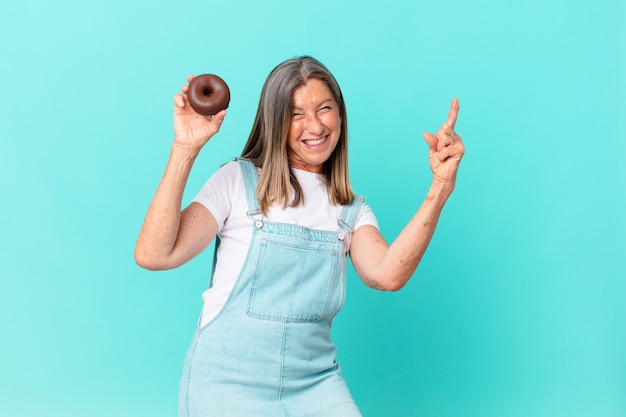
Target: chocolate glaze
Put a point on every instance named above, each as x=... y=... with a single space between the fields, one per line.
x=208 y=94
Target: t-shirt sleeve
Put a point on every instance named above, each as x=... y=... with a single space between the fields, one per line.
x=366 y=217
x=218 y=192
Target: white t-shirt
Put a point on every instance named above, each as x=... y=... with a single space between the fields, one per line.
x=224 y=195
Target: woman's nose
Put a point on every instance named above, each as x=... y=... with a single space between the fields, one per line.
x=314 y=125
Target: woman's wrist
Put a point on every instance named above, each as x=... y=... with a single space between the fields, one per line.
x=183 y=152
x=440 y=190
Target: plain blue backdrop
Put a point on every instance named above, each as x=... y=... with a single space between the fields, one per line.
x=518 y=307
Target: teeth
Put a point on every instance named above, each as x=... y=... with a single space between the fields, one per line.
x=314 y=142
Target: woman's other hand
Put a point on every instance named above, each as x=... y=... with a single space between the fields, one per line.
x=445 y=148
x=190 y=128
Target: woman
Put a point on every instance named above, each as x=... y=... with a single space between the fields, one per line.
x=285 y=218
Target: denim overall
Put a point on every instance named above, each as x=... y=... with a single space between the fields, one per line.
x=268 y=352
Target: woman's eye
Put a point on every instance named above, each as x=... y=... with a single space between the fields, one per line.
x=325 y=108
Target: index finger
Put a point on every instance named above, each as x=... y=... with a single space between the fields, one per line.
x=454 y=112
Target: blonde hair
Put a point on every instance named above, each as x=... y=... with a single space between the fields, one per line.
x=267 y=144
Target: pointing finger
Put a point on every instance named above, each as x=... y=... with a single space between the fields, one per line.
x=454 y=112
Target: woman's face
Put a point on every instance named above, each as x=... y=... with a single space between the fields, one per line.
x=315 y=126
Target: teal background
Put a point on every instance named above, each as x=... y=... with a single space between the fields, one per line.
x=518 y=307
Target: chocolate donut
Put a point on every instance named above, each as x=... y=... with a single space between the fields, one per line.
x=208 y=94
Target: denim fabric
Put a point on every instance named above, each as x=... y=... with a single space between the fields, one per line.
x=268 y=352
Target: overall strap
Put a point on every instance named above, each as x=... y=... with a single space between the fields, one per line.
x=251 y=179
x=350 y=212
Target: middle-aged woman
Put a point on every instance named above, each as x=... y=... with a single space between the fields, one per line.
x=285 y=218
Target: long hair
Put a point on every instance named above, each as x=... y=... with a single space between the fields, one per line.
x=267 y=144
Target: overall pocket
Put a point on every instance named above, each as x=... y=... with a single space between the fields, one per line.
x=296 y=280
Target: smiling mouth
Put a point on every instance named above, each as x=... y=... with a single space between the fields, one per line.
x=313 y=142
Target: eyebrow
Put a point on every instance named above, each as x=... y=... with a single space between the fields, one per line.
x=320 y=104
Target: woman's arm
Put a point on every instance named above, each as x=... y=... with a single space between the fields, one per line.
x=389 y=267
x=170 y=237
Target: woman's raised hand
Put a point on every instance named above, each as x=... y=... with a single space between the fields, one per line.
x=190 y=128
x=445 y=148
